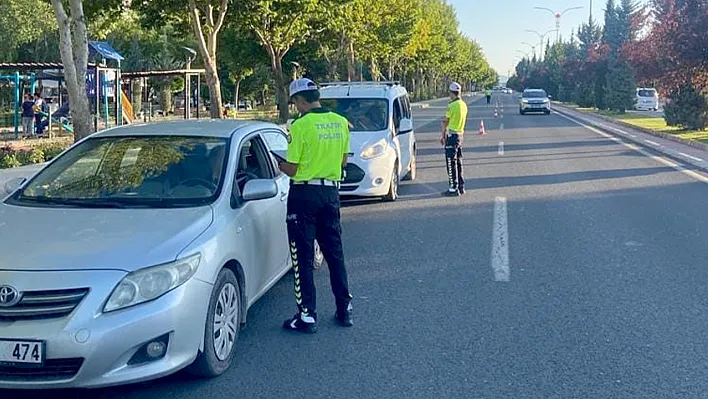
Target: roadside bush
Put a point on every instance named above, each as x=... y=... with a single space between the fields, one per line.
x=688 y=109
x=12 y=157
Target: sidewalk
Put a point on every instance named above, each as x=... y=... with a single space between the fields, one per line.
x=695 y=154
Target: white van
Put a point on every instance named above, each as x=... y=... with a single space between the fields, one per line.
x=383 y=145
x=647 y=99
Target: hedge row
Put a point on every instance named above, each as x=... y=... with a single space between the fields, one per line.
x=13 y=157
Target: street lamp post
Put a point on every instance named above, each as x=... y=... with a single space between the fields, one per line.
x=557 y=16
x=533 y=47
x=540 y=37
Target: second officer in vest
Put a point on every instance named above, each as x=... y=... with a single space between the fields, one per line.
x=317 y=154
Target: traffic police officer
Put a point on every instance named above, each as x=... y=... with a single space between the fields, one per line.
x=317 y=154
x=453 y=128
x=488 y=94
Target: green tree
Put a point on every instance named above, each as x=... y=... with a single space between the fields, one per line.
x=22 y=23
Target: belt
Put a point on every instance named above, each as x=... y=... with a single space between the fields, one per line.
x=319 y=182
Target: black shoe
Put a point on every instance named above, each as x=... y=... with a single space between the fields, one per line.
x=461 y=190
x=296 y=324
x=344 y=318
x=449 y=193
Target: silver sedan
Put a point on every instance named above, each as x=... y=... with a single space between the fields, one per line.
x=138 y=252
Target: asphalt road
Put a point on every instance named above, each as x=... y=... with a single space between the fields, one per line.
x=574 y=267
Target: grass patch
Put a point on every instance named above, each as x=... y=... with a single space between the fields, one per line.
x=655 y=123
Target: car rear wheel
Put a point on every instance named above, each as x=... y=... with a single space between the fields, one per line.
x=393 y=186
x=414 y=169
x=223 y=323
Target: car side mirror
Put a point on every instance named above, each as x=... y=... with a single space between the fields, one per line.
x=405 y=126
x=259 y=189
x=288 y=124
x=14 y=184
x=550 y=97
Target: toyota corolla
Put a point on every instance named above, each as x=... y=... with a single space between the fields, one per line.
x=138 y=252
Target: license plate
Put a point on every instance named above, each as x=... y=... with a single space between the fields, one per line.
x=21 y=352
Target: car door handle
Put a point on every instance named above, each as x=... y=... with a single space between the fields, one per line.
x=283 y=196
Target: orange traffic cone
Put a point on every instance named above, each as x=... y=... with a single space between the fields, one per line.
x=481 y=128
x=496 y=113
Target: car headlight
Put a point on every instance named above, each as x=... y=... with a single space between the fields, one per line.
x=374 y=150
x=546 y=101
x=525 y=101
x=150 y=283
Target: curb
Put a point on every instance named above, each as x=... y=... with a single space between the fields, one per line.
x=584 y=117
x=688 y=142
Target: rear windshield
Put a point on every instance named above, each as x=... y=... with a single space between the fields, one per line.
x=646 y=93
x=535 y=94
x=364 y=114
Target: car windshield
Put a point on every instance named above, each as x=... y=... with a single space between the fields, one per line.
x=535 y=94
x=646 y=93
x=132 y=171
x=364 y=114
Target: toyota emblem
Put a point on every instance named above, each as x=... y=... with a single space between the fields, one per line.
x=9 y=296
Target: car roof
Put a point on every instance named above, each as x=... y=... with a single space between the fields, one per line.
x=534 y=90
x=202 y=127
x=384 y=90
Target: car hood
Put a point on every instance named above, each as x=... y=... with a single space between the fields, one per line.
x=51 y=239
x=360 y=140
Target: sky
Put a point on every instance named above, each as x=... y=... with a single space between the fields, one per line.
x=499 y=25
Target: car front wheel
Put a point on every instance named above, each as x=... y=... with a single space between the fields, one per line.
x=392 y=194
x=223 y=323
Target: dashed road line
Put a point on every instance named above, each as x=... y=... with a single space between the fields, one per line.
x=698 y=176
x=501 y=148
x=691 y=157
x=654 y=143
x=500 y=241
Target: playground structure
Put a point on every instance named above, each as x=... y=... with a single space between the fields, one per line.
x=109 y=103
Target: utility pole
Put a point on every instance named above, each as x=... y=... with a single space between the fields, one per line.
x=541 y=38
x=557 y=16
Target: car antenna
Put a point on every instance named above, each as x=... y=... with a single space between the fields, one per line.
x=349 y=90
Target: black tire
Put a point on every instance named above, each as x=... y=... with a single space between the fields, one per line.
x=547 y=112
x=207 y=364
x=411 y=175
x=522 y=112
x=392 y=194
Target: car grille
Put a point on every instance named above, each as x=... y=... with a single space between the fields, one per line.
x=52 y=370
x=44 y=304
x=355 y=174
x=346 y=189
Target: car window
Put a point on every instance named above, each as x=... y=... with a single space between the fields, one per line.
x=407 y=107
x=276 y=142
x=252 y=163
x=160 y=171
x=397 y=112
x=364 y=114
x=646 y=93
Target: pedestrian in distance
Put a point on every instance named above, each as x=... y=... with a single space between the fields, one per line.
x=28 y=116
x=453 y=129
x=317 y=154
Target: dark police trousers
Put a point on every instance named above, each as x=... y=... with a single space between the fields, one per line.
x=313 y=212
x=453 y=158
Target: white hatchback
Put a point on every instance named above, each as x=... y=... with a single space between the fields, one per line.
x=383 y=144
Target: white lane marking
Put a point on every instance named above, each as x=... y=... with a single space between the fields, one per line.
x=690 y=157
x=698 y=176
x=501 y=126
x=654 y=143
x=501 y=148
x=500 y=241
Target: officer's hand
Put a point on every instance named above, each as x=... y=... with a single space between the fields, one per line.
x=442 y=140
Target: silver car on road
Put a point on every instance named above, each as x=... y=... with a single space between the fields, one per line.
x=138 y=252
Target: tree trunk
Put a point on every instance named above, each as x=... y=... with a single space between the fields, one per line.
x=207 y=48
x=237 y=88
x=137 y=96
x=74 y=55
x=166 y=98
x=351 y=67
x=282 y=90
x=374 y=70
